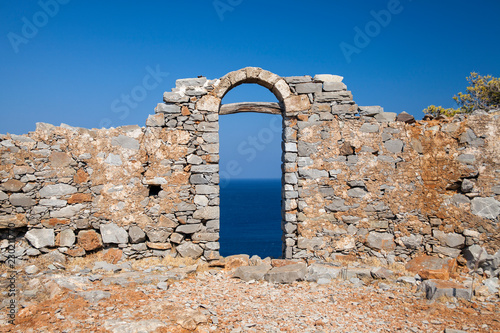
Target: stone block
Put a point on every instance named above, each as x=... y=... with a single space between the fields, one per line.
x=113 y=234
x=158 y=236
x=249 y=273
x=174 y=97
x=155 y=120
x=286 y=274
x=297 y=103
x=167 y=108
x=21 y=200
x=40 y=238
x=328 y=78
x=320 y=271
x=394 y=146
x=57 y=190
x=13 y=221
x=485 y=207
x=189 y=250
x=356 y=192
x=310 y=244
x=385 y=117
x=66 y=238
x=89 y=240
x=431 y=267
x=13 y=185
x=136 y=234
x=369 y=128
x=437 y=288
x=380 y=241
x=207 y=213
x=308 y=88
x=188 y=228
x=334 y=86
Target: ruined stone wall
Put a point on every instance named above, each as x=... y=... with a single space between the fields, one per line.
x=355 y=179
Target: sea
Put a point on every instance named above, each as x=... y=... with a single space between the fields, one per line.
x=250 y=217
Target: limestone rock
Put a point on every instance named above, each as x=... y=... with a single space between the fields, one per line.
x=13 y=185
x=113 y=234
x=380 y=241
x=485 y=207
x=89 y=240
x=287 y=274
x=57 y=190
x=248 y=273
x=437 y=288
x=136 y=234
x=40 y=238
x=21 y=200
x=66 y=238
x=431 y=267
x=189 y=250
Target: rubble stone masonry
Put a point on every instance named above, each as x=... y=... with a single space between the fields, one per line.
x=356 y=180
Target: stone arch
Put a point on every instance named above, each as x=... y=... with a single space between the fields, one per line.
x=291 y=102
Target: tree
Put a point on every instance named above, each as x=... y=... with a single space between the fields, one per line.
x=482 y=93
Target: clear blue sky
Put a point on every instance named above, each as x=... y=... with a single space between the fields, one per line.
x=81 y=57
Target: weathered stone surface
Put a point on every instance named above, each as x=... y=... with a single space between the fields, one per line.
x=437 y=288
x=57 y=190
x=67 y=212
x=452 y=240
x=207 y=213
x=3 y=196
x=405 y=118
x=76 y=252
x=412 y=241
x=21 y=200
x=320 y=271
x=334 y=86
x=328 y=78
x=394 y=146
x=13 y=185
x=385 y=116
x=369 y=128
x=39 y=238
x=113 y=234
x=188 y=228
x=155 y=120
x=136 y=234
x=356 y=192
x=308 y=88
x=309 y=244
x=485 y=207
x=431 y=267
x=380 y=241
x=168 y=108
x=13 y=221
x=189 y=250
x=66 y=238
x=158 y=236
x=248 y=273
x=89 y=240
x=370 y=111
x=286 y=274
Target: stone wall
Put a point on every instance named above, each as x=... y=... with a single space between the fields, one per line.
x=355 y=179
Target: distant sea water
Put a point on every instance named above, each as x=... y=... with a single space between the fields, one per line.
x=250 y=217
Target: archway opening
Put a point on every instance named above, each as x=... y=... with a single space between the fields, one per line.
x=250 y=173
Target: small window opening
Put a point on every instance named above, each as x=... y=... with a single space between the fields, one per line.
x=154 y=190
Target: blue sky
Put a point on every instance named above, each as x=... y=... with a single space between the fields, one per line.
x=82 y=56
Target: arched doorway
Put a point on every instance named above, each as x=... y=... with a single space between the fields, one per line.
x=250 y=173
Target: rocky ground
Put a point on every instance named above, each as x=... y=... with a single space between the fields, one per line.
x=170 y=295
